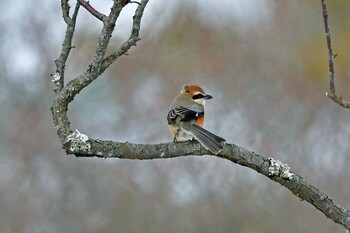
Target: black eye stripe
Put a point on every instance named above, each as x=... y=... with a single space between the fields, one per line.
x=198 y=96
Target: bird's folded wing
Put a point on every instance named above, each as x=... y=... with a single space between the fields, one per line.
x=183 y=113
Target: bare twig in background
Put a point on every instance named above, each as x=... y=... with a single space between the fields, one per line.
x=58 y=78
x=83 y=146
x=332 y=95
x=92 y=10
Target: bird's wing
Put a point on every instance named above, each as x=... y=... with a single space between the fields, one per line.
x=184 y=114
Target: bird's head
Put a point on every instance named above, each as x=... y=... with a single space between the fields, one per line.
x=196 y=93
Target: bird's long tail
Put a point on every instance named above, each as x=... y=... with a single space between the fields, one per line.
x=209 y=140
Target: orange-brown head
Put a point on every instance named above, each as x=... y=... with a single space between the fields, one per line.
x=192 y=88
x=196 y=93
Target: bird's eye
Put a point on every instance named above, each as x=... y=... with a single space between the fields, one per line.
x=197 y=96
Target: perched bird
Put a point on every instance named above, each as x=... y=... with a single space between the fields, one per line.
x=186 y=118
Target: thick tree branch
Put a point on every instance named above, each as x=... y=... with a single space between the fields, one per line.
x=80 y=145
x=332 y=95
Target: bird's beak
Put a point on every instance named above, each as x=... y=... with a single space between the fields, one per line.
x=207 y=97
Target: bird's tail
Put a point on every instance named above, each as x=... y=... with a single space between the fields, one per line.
x=209 y=140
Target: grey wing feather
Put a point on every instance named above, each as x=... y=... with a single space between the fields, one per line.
x=209 y=140
x=182 y=113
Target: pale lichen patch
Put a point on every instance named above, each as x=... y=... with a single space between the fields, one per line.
x=277 y=168
x=78 y=142
x=56 y=77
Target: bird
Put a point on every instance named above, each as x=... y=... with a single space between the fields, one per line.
x=186 y=117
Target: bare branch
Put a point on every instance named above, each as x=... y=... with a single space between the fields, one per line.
x=332 y=95
x=75 y=13
x=92 y=10
x=99 y=65
x=338 y=100
x=294 y=182
x=135 y=2
x=65 y=94
x=58 y=80
x=133 y=39
x=65 y=11
x=106 y=34
x=329 y=45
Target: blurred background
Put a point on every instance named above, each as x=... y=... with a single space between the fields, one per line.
x=264 y=61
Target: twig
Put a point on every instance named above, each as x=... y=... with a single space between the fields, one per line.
x=58 y=80
x=135 y=2
x=133 y=39
x=92 y=10
x=75 y=13
x=65 y=11
x=329 y=45
x=332 y=95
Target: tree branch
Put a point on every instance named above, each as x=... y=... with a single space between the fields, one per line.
x=58 y=77
x=80 y=145
x=65 y=94
x=133 y=39
x=92 y=10
x=332 y=95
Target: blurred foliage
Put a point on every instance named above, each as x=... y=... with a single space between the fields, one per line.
x=267 y=71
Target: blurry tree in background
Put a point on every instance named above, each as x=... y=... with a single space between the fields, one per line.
x=266 y=59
